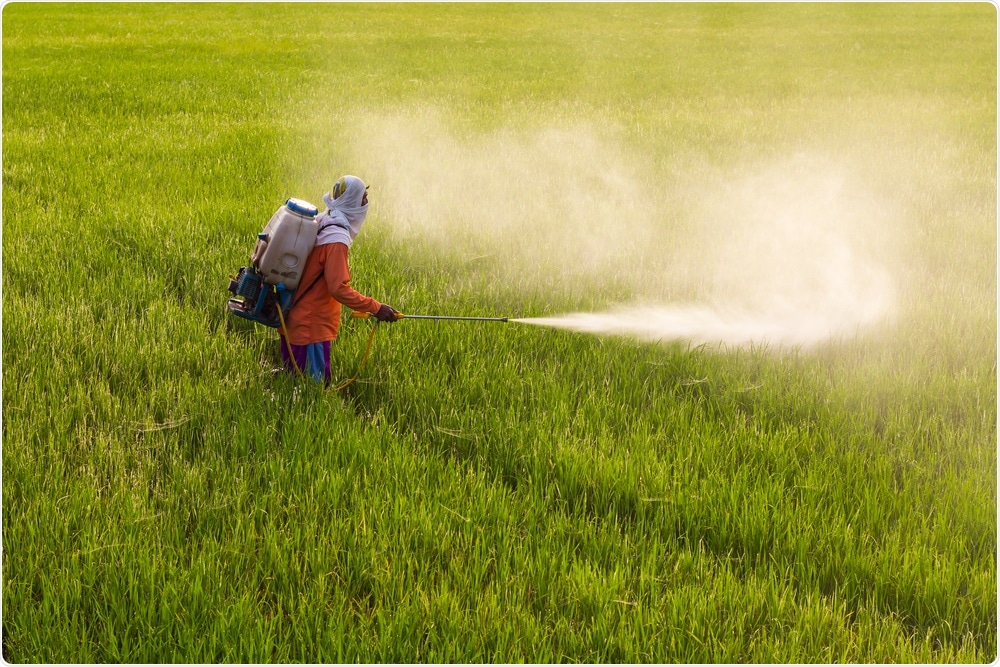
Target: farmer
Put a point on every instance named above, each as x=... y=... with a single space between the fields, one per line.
x=315 y=318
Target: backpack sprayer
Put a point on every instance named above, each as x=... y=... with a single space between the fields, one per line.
x=267 y=286
x=265 y=290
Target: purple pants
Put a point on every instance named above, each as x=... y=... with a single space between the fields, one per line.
x=313 y=359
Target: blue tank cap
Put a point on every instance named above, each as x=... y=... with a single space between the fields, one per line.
x=301 y=206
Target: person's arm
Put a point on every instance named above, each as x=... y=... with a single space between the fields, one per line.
x=338 y=282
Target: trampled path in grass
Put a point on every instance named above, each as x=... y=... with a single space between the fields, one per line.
x=497 y=492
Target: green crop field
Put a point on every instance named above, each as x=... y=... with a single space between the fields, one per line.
x=493 y=492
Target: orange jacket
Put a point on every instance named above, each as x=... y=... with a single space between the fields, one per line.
x=315 y=315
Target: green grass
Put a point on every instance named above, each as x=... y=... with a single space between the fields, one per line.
x=496 y=492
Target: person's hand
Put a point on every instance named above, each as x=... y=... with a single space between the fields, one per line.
x=386 y=314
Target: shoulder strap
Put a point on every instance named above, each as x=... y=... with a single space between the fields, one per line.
x=300 y=293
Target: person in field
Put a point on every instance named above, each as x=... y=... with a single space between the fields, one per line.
x=314 y=319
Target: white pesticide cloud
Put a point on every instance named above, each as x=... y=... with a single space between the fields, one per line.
x=790 y=252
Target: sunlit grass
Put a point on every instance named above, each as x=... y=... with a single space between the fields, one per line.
x=484 y=493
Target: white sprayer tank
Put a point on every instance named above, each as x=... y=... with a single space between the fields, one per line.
x=284 y=245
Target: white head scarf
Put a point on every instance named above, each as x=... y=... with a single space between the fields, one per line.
x=342 y=220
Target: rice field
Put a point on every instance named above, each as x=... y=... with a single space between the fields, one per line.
x=495 y=492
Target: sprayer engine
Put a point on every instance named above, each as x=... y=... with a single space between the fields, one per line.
x=260 y=300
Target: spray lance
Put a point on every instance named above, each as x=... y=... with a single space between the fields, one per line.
x=400 y=316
